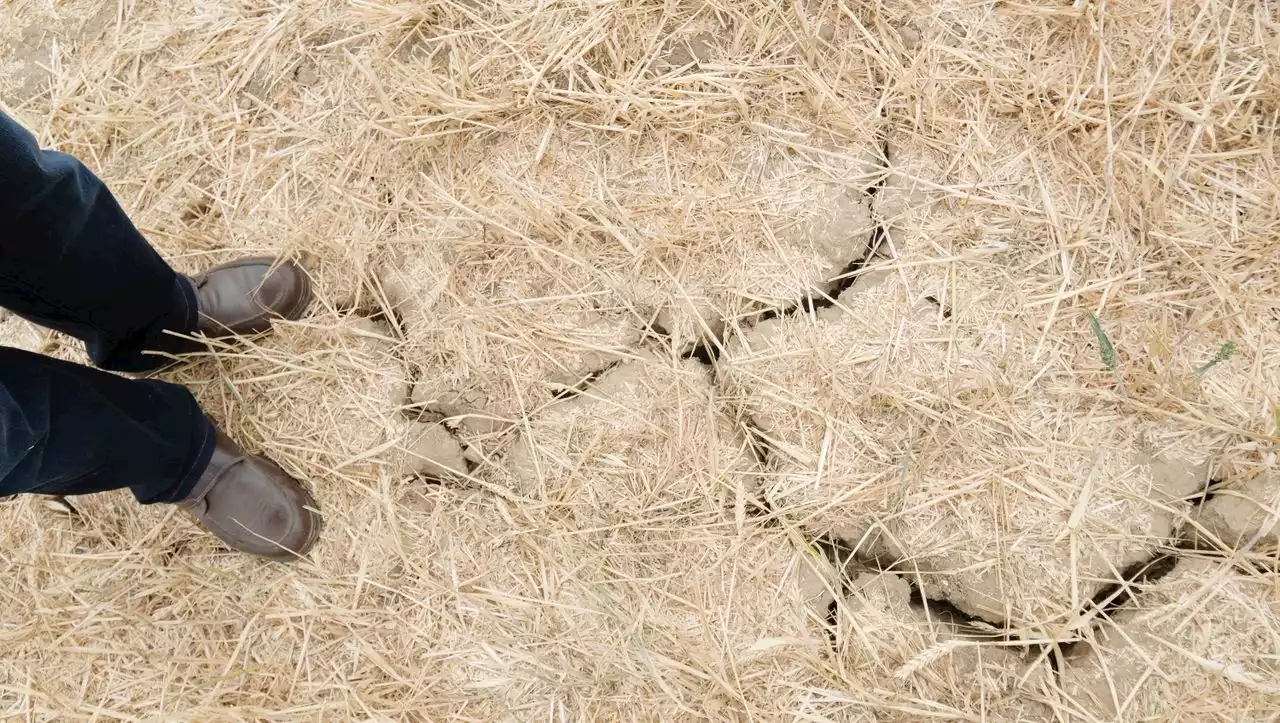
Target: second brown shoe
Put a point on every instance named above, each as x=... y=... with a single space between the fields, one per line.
x=242 y=297
x=253 y=505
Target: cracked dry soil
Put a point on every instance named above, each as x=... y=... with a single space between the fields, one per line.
x=691 y=361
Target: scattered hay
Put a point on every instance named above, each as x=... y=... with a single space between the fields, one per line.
x=653 y=620
x=1202 y=639
x=914 y=434
x=646 y=440
x=324 y=394
x=16 y=332
x=903 y=663
x=524 y=195
x=29 y=50
x=1092 y=186
x=758 y=205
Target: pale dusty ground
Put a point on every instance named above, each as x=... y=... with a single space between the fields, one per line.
x=689 y=361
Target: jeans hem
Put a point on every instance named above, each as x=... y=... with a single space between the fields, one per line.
x=203 y=443
x=159 y=345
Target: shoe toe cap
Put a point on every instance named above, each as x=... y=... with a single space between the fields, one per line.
x=257 y=508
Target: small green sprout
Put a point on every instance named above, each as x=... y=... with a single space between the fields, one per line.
x=1107 y=351
x=1224 y=353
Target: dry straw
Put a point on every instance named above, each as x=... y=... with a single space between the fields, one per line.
x=521 y=217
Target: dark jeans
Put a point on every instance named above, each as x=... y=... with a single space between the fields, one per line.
x=71 y=260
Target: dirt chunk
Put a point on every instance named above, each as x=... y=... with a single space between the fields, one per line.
x=430 y=450
x=1202 y=638
x=921 y=437
x=899 y=654
x=1244 y=516
x=625 y=448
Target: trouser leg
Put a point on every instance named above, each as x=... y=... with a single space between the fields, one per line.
x=71 y=260
x=70 y=429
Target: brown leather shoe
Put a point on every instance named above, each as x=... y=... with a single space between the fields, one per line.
x=242 y=297
x=253 y=505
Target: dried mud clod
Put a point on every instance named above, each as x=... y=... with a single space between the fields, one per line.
x=902 y=431
x=432 y=451
x=500 y=328
x=526 y=198
x=1204 y=635
x=330 y=390
x=901 y=653
x=1243 y=516
x=646 y=439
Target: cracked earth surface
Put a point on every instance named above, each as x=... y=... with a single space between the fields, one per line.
x=706 y=362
